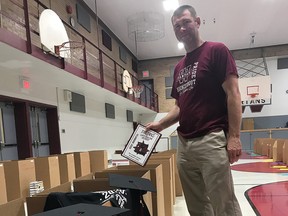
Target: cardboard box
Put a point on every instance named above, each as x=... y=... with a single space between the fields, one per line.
x=66 y=167
x=47 y=170
x=248 y=124
x=285 y=152
x=178 y=186
x=85 y=177
x=36 y=203
x=13 y=208
x=157 y=179
x=174 y=168
x=3 y=193
x=101 y=183
x=82 y=163
x=91 y=185
x=18 y=175
x=265 y=146
x=166 y=163
x=98 y=160
x=278 y=150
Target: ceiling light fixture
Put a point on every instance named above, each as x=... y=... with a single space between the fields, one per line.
x=170 y=4
x=146 y=26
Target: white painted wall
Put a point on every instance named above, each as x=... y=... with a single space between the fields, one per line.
x=92 y=130
x=89 y=131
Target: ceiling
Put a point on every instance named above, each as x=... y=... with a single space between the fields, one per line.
x=232 y=22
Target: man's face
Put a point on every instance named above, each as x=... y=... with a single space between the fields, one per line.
x=185 y=27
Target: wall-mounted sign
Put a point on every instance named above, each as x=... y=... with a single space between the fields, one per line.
x=145 y=73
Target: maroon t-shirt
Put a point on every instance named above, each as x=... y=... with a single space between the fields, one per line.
x=197 y=87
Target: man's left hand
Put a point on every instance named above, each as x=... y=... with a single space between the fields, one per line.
x=234 y=149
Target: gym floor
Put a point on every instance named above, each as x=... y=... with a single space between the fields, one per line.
x=261 y=187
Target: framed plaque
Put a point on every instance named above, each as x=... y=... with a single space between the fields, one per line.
x=141 y=145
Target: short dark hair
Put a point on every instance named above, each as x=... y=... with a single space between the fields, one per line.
x=182 y=8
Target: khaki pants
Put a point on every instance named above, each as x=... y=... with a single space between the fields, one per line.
x=205 y=175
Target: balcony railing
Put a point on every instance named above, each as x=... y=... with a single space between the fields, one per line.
x=90 y=63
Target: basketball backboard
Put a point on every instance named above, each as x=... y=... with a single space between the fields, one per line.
x=52 y=32
x=255 y=90
x=127 y=82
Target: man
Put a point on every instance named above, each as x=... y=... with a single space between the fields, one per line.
x=208 y=108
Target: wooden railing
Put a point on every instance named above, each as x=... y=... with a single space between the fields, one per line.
x=90 y=63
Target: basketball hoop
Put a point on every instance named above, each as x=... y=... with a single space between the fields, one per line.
x=137 y=90
x=66 y=47
x=253 y=95
x=253 y=91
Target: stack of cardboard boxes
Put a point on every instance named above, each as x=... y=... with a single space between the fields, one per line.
x=56 y=171
x=86 y=172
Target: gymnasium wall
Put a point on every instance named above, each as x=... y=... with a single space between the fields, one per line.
x=160 y=68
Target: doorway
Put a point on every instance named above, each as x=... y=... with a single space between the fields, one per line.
x=147 y=96
x=8 y=141
x=39 y=132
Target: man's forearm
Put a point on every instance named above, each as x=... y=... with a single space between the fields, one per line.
x=171 y=118
x=234 y=114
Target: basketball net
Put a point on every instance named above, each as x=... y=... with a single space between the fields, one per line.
x=63 y=50
x=137 y=90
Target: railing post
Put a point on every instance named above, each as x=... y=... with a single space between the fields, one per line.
x=27 y=27
x=101 y=68
x=116 y=78
x=85 y=59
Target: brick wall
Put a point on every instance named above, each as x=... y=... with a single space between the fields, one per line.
x=159 y=69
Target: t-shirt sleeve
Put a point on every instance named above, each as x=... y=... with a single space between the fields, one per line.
x=224 y=63
x=174 y=93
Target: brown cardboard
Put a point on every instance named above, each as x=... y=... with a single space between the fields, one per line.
x=178 y=186
x=82 y=163
x=91 y=185
x=157 y=179
x=98 y=160
x=47 y=170
x=85 y=177
x=3 y=193
x=66 y=167
x=285 y=152
x=66 y=187
x=13 y=208
x=18 y=175
x=174 y=168
x=265 y=145
x=248 y=124
x=167 y=180
x=36 y=203
x=278 y=150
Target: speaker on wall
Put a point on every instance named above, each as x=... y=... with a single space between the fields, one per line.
x=83 y=17
x=106 y=40
x=129 y=115
x=110 y=111
x=77 y=103
x=67 y=95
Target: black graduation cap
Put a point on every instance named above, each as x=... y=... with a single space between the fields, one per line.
x=131 y=182
x=83 y=209
x=138 y=187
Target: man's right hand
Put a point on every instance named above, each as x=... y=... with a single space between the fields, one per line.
x=155 y=126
